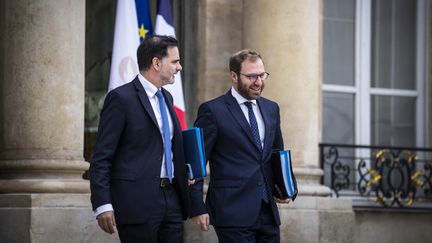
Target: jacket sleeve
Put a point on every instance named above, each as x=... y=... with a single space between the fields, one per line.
x=112 y=121
x=206 y=121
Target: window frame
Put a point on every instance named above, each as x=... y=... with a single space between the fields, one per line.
x=362 y=89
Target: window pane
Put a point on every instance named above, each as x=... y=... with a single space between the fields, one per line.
x=341 y=9
x=393 y=121
x=338 y=42
x=338 y=118
x=394 y=44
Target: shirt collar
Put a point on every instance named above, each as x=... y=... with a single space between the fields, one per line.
x=149 y=88
x=239 y=98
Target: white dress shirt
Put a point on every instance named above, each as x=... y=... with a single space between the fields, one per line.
x=151 y=90
x=241 y=101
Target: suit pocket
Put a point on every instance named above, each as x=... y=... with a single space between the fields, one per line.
x=127 y=176
x=226 y=183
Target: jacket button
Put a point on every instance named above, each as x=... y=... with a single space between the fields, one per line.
x=259 y=183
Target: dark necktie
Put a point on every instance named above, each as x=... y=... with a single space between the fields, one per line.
x=255 y=133
x=253 y=124
x=166 y=134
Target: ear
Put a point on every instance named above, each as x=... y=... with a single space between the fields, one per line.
x=234 y=77
x=156 y=63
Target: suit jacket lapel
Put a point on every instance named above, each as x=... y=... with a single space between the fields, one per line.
x=237 y=113
x=144 y=100
x=171 y=110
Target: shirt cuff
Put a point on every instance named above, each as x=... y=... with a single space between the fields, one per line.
x=102 y=209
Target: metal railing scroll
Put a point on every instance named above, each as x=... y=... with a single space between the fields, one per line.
x=394 y=177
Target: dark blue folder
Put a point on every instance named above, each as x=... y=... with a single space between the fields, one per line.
x=193 y=143
x=285 y=181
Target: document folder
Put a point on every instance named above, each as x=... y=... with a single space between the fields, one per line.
x=285 y=182
x=193 y=143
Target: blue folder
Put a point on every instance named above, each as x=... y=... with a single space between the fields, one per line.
x=285 y=181
x=193 y=144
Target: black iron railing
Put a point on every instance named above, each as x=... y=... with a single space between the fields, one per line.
x=391 y=176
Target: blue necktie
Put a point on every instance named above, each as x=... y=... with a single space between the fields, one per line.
x=255 y=133
x=166 y=134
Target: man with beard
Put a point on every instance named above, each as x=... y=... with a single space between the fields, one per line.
x=241 y=129
x=137 y=176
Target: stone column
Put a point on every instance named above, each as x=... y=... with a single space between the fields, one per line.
x=288 y=35
x=42 y=96
x=219 y=36
x=289 y=38
x=43 y=197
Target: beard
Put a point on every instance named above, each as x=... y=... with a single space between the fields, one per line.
x=169 y=80
x=246 y=91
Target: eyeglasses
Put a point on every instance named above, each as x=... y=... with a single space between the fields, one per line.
x=254 y=77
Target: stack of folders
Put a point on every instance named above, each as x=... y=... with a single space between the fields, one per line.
x=193 y=143
x=285 y=181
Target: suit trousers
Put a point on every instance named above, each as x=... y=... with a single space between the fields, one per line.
x=264 y=230
x=165 y=225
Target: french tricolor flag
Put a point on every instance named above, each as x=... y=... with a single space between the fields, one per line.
x=165 y=26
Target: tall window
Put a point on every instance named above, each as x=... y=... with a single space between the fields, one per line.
x=374 y=72
x=339 y=88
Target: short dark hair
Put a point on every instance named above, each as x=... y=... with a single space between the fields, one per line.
x=239 y=57
x=154 y=46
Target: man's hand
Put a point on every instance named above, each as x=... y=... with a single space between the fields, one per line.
x=278 y=200
x=191 y=182
x=107 y=222
x=203 y=221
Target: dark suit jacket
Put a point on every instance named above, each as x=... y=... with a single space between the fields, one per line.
x=126 y=165
x=238 y=169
